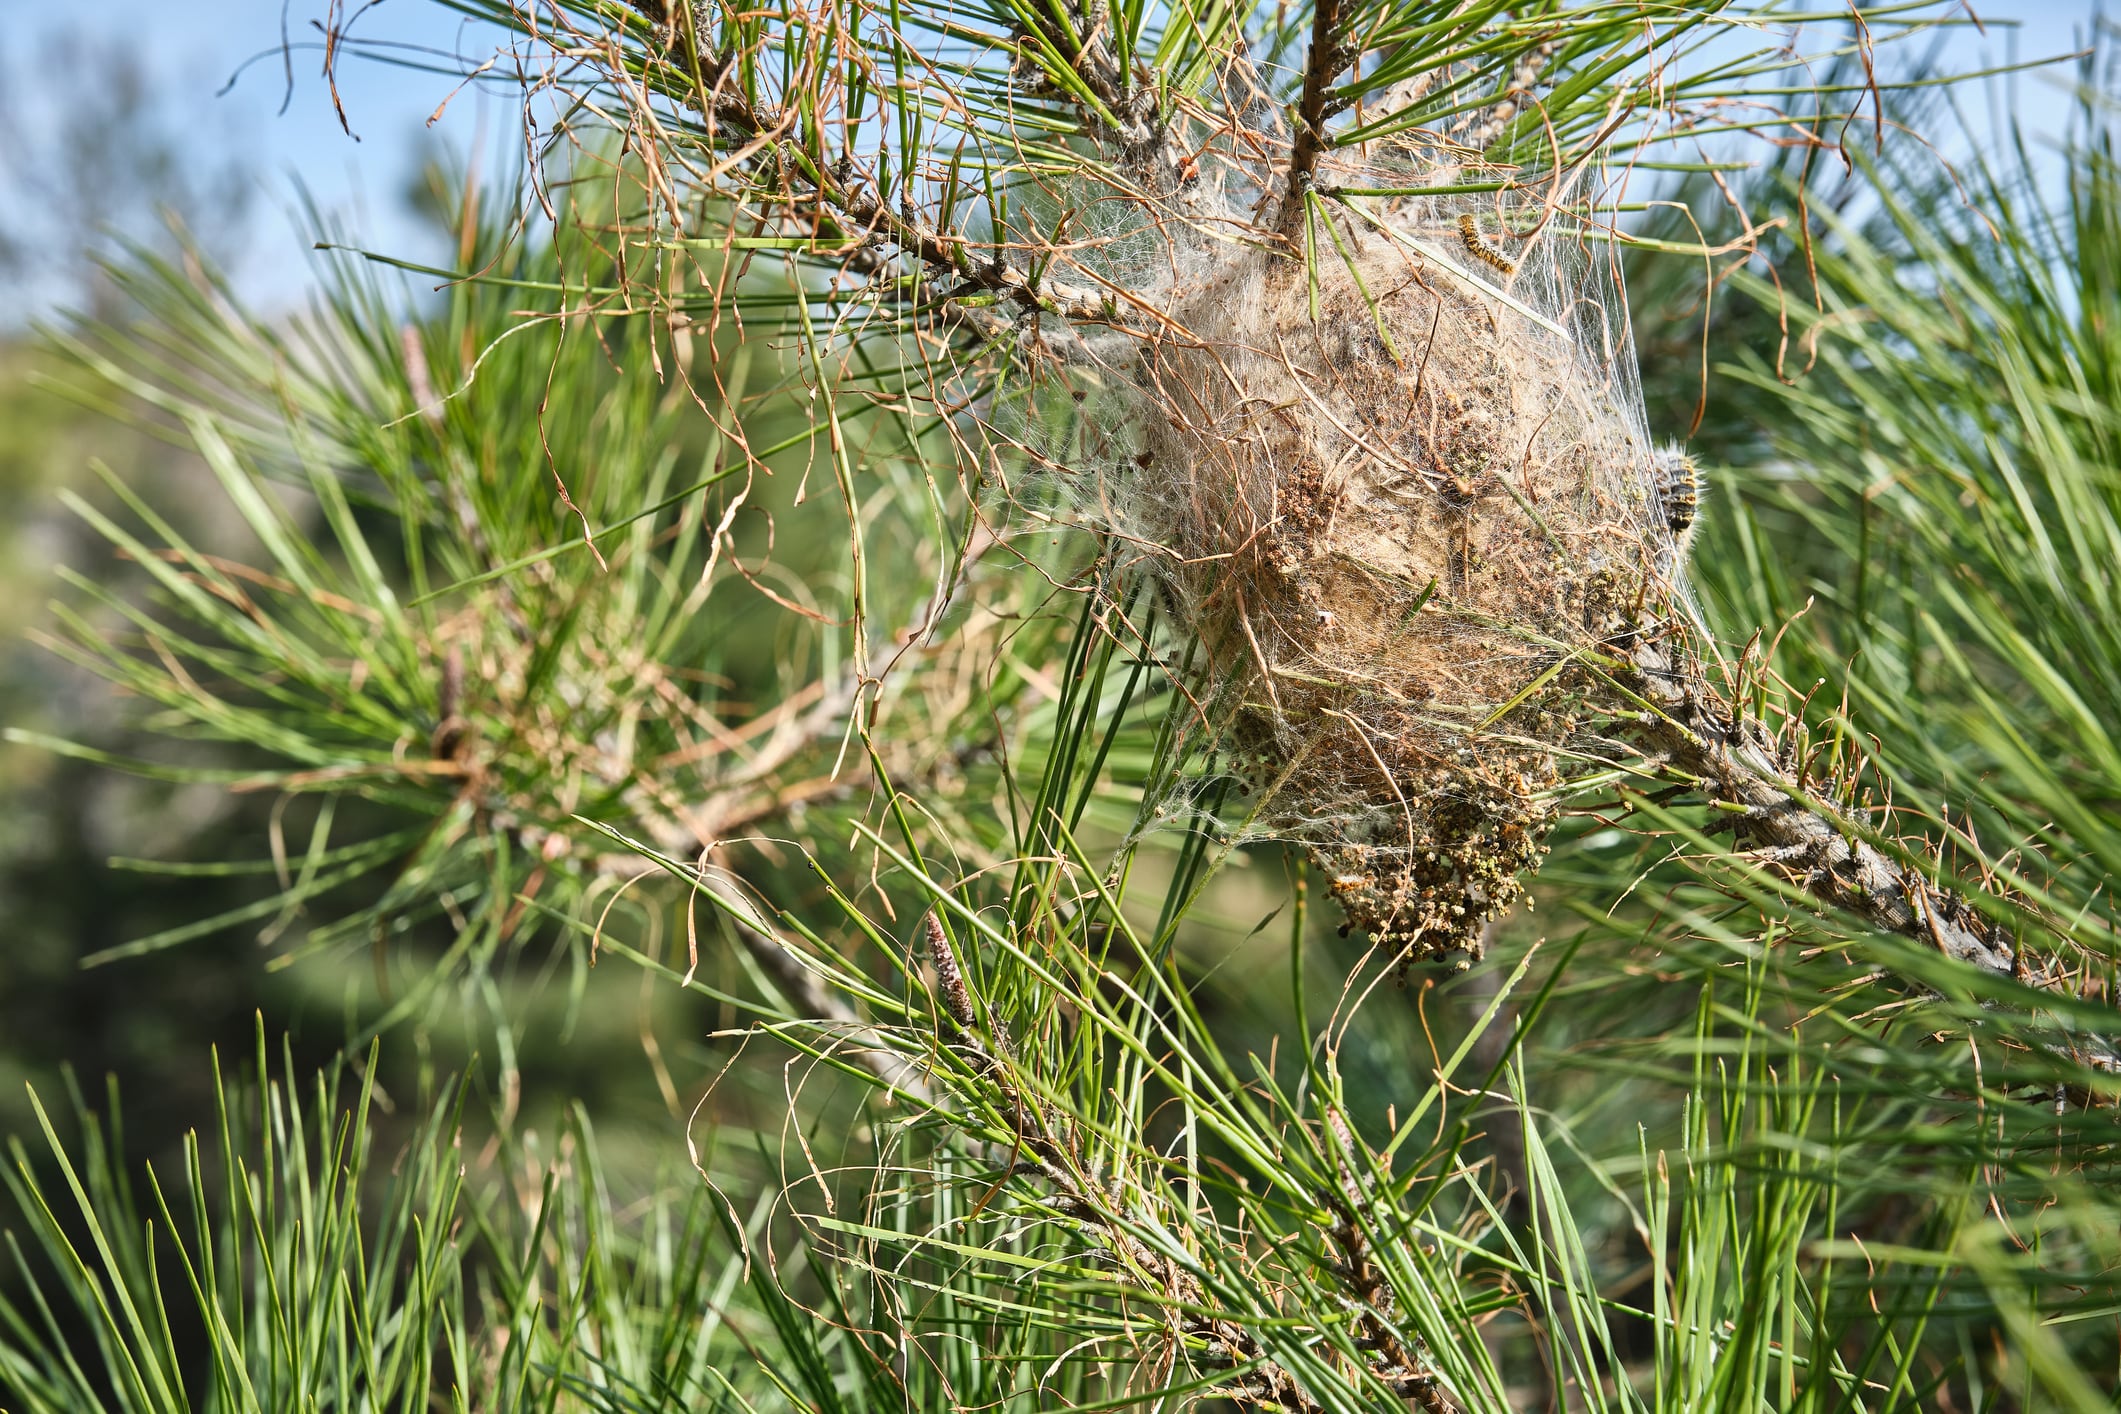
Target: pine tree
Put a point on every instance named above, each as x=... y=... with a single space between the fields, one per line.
x=1093 y=581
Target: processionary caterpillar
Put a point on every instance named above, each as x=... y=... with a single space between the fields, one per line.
x=1678 y=494
x=1469 y=232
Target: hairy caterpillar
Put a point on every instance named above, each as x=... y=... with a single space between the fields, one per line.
x=1678 y=494
x=1469 y=232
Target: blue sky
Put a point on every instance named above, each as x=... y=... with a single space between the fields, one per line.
x=190 y=50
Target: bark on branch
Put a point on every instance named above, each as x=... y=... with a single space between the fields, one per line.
x=868 y=219
x=1324 y=61
x=1816 y=848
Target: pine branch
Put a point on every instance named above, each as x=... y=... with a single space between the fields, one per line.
x=1812 y=844
x=1040 y=1134
x=1325 y=59
x=865 y=216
